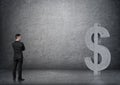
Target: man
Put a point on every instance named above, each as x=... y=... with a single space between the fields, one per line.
x=18 y=47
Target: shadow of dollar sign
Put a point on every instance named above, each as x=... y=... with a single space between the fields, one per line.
x=97 y=49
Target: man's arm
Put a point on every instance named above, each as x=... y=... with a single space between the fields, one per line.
x=23 y=47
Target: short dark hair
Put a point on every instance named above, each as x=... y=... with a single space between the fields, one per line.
x=17 y=35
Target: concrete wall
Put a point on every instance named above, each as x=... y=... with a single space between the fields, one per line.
x=54 y=31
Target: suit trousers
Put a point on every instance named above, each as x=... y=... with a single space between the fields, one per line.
x=17 y=64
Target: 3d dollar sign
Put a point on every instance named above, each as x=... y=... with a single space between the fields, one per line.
x=97 y=31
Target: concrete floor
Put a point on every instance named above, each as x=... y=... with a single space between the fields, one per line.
x=61 y=77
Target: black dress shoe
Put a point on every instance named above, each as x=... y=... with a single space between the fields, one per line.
x=21 y=79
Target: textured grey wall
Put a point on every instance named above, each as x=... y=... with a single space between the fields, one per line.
x=53 y=31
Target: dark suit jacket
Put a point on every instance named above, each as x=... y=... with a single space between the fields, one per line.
x=18 y=47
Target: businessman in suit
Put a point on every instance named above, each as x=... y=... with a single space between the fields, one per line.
x=18 y=48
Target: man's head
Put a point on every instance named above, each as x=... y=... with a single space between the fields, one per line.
x=18 y=37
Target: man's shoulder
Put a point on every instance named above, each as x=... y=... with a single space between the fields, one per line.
x=16 y=42
x=22 y=43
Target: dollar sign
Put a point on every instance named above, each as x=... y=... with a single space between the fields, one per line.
x=97 y=31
